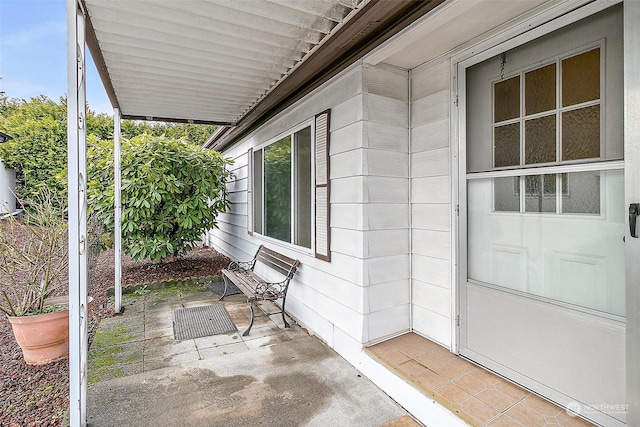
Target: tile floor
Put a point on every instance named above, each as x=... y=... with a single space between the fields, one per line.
x=476 y=395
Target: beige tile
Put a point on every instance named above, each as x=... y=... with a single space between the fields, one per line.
x=412 y=349
x=526 y=415
x=429 y=380
x=496 y=399
x=470 y=384
x=455 y=368
x=409 y=339
x=486 y=377
x=511 y=390
x=433 y=360
x=393 y=356
x=478 y=410
x=504 y=421
x=411 y=369
x=381 y=347
x=453 y=394
x=566 y=420
x=542 y=406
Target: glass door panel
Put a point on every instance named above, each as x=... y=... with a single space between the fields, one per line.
x=525 y=235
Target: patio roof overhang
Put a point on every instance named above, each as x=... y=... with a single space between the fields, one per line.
x=231 y=63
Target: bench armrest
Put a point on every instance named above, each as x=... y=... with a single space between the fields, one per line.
x=240 y=266
x=270 y=290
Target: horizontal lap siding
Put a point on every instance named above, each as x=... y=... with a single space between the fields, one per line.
x=385 y=198
x=431 y=207
x=324 y=296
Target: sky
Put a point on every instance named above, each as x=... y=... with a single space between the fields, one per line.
x=33 y=53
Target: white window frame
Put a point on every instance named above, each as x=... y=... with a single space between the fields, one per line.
x=294 y=202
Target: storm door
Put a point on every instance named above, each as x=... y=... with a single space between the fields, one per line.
x=543 y=285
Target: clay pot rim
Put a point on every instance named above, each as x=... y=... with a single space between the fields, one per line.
x=60 y=300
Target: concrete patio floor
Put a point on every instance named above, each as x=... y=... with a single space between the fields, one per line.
x=140 y=376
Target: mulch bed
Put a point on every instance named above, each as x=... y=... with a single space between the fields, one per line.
x=39 y=395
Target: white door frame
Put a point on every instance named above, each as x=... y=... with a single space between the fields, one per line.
x=632 y=195
x=533 y=28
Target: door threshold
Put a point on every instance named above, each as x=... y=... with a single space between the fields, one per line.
x=478 y=396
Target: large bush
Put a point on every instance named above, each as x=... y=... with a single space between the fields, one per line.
x=172 y=192
x=38 y=150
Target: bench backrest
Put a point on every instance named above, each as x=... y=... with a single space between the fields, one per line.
x=276 y=261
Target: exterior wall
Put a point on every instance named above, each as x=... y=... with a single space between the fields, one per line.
x=326 y=297
x=363 y=293
x=7 y=189
x=431 y=208
x=385 y=155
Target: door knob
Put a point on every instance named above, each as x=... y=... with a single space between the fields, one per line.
x=634 y=211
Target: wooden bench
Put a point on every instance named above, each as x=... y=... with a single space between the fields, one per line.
x=241 y=274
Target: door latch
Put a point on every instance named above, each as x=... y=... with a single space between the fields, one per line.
x=634 y=211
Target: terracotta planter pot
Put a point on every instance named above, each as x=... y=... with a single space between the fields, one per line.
x=43 y=338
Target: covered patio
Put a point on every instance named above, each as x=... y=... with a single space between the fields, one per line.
x=233 y=64
x=372 y=106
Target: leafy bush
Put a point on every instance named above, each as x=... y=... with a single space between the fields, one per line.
x=38 y=150
x=172 y=192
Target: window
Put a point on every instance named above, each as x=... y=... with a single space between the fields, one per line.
x=531 y=102
x=548 y=116
x=282 y=188
x=543 y=173
x=288 y=188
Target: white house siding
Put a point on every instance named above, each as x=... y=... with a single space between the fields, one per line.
x=385 y=155
x=362 y=295
x=326 y=297
x=431 y=208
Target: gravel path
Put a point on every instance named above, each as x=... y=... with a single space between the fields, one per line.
x=39 y=395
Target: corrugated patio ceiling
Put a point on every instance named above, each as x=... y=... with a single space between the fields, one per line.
x=205 y=61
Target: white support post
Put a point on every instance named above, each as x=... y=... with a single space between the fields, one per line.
x=117 y=217
x=77 y=220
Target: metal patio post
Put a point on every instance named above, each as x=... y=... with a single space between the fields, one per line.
x=77 y=220
x=117 y=217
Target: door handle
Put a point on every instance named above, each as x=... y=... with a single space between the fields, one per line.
x=634 y=211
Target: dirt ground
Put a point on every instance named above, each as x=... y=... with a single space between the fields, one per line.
x=39 y=395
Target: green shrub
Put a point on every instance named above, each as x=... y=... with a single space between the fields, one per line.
x=172 y=192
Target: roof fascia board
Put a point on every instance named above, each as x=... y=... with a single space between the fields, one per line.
x=96 y=54
x=175 y=120
x=377 y=22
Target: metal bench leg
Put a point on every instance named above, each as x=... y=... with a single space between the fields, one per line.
x=245 y=333
x=225 y=288
x=286 y=324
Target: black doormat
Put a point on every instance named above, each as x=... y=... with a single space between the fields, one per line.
x=196 y=322
x=218 y=288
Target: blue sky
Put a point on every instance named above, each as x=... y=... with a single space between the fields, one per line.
x=33 y=58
